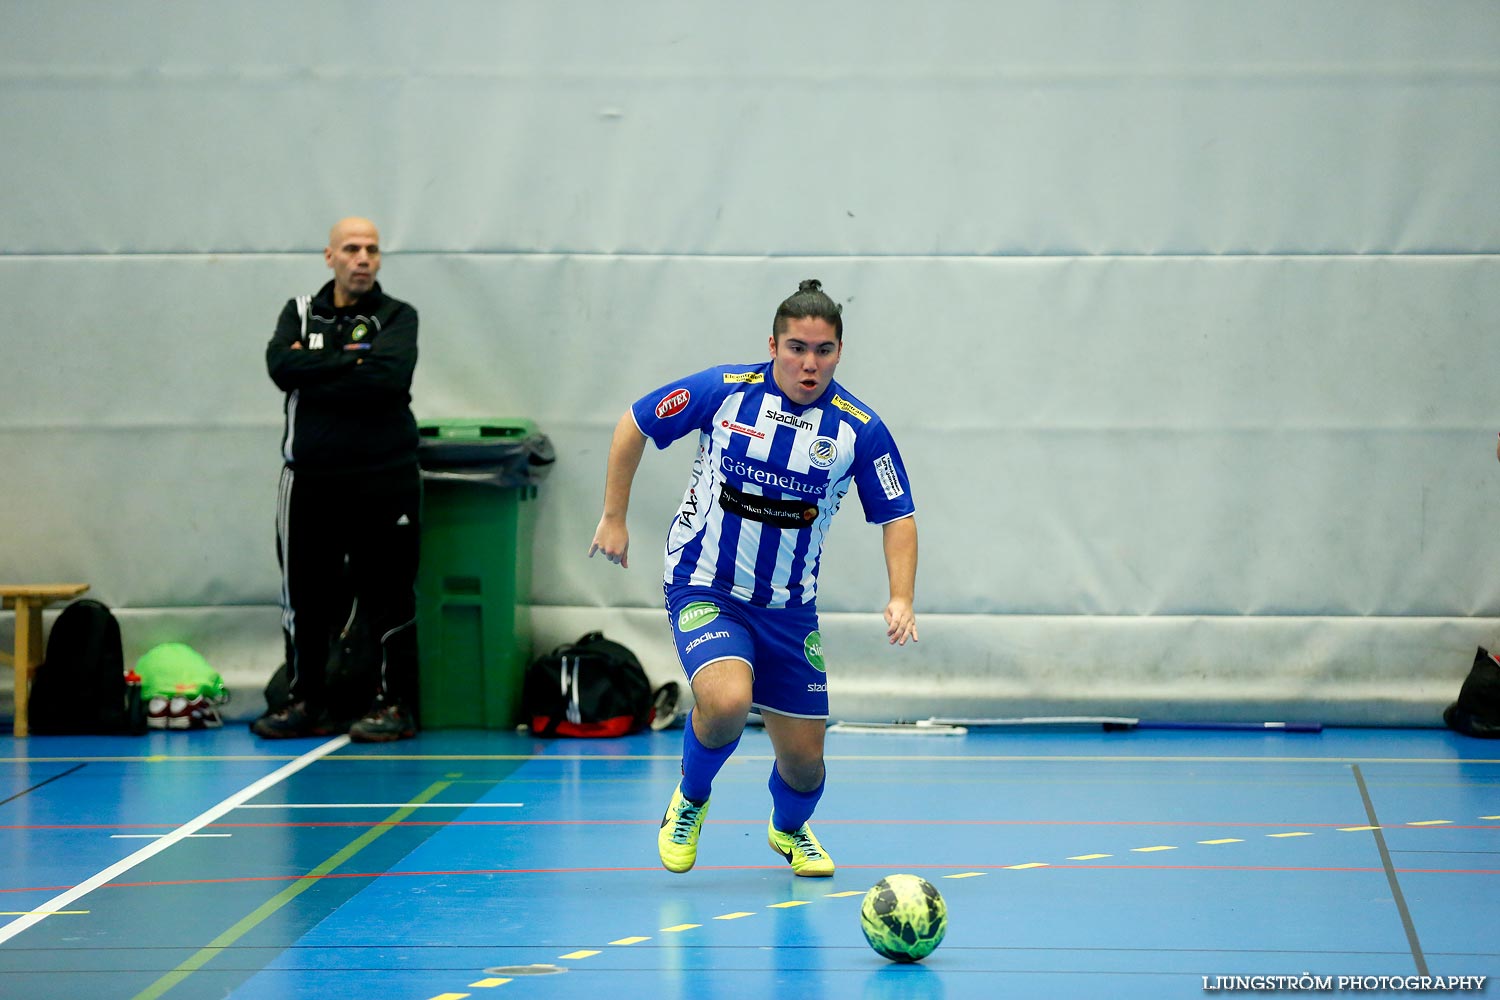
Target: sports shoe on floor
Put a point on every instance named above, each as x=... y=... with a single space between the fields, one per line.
x=802 y=850
x=291 y=722
x=383 y=723
x=181 y=712
x=677 y=842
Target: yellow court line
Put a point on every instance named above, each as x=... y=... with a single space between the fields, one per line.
x=1029 y=864
x=1223 y=840
x=1431 y=822
x=1148 y=850
x=965 y=875
x=1294 y=833
x=357 y=757
x=679 y=928
x=857 y=892
x=485 y=984
x=1090 y=857
x=734 y=916
x=789 y=904
x=582 y=953
x=630 y=940
x=1356 y=829
x=450 y=996
x=285 y=896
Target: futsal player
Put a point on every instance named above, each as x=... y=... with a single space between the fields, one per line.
x=779 y=445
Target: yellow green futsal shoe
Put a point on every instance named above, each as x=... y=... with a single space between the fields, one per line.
x=802 y=850
x=677 y=842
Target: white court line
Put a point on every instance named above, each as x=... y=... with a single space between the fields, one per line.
x=384 y=805
x=154 y=836
x=192 y=826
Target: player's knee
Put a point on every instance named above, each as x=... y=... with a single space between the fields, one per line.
x=803 y=772
x=723 y=707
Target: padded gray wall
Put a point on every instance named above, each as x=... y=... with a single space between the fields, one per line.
x=1182 y=313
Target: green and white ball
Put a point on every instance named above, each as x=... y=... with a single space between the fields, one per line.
x=904 y=918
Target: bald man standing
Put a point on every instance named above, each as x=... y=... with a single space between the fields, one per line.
x=348 y=513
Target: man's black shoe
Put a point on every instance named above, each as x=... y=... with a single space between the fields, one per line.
x=384 y=723
x=290 y=723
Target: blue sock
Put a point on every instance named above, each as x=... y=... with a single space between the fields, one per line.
x=700 y=764
x=791 y=808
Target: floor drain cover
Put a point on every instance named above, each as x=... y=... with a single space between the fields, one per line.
x=524 y=970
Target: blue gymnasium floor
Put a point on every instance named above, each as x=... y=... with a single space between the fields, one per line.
x=1075 y=863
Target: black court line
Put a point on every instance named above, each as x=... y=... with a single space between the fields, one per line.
x=39 y=784
x=1390 y=874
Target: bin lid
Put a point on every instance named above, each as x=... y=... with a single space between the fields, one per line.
x=504 y=452
x=476 y=428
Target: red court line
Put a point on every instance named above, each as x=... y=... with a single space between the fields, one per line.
x=988 y=869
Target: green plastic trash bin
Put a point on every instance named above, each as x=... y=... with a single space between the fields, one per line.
x=479 y=480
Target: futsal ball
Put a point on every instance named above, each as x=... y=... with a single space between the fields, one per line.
x=904 y=918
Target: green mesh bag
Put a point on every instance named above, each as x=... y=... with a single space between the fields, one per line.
x=175 y=668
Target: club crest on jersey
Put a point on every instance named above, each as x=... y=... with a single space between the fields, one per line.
x=359 y=333
x=748 y=378
x=823 y=452
x=673 y=403
x=850 y=408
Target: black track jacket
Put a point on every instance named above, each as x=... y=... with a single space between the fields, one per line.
x=348 y=412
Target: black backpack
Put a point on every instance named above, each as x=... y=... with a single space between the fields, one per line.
x=80 y=686
x=592 y=687
x=1477 y=710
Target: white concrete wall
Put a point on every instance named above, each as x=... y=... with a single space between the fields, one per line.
x=1183 y=314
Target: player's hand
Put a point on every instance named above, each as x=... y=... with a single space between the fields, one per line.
x=900 y=622
x=613 y=540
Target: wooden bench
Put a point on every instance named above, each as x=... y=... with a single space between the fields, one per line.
x=29 y=600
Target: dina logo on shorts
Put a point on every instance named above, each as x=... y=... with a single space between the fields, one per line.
x=696 y=615
x=812 y=648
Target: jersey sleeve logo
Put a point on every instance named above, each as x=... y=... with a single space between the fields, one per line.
x=673 y=403
x=850 y=408
x=748 y=378
x=885 y=468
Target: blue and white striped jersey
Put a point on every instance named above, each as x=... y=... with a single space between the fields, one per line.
x=768 y=478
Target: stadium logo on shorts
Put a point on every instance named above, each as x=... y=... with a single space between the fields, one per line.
x=823 y=452
x=696 y=615
x=812 y=648
x=705 y=637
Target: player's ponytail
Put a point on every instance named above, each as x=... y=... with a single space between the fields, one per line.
x=809 y=301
